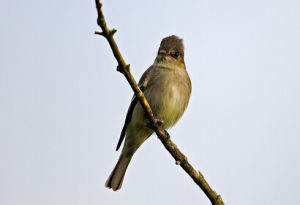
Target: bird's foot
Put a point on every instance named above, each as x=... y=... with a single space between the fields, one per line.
x=149 y=124
x=160 y=122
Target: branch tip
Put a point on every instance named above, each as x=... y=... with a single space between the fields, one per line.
x=219 y=198
x=99 y=33
x=98 y=4
x=119 y=69
x=112 y=32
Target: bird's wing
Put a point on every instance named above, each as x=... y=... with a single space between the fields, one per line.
x=142 y=84
x=127 y=120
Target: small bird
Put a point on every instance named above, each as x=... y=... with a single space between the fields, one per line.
x=167 y=87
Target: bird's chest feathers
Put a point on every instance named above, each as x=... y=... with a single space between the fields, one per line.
x=172 y=105
x=173 y=98
x=168 y=96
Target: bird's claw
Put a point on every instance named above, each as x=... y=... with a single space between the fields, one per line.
x=160 y=122
x=149 y=124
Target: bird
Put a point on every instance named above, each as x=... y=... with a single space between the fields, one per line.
x=167 y=87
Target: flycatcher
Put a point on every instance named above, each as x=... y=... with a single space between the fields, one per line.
x=167 y=87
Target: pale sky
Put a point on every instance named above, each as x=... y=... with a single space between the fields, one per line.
x=63 y=104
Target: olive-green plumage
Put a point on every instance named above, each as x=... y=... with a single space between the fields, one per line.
x=167 y=87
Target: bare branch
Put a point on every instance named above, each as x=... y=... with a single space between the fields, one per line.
x=164 y=137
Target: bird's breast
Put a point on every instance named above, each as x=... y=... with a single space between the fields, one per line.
x=169 y=99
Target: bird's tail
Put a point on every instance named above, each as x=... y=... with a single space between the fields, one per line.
x=116 y=177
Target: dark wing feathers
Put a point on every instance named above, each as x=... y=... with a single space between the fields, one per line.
x=128 y=118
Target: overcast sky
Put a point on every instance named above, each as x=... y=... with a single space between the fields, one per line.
x=62 y=103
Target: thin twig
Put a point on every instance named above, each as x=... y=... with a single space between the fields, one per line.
x=164 y=137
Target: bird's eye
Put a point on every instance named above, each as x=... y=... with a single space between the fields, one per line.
x=175 y=54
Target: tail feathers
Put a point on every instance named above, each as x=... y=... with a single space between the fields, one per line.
x=116 y=177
